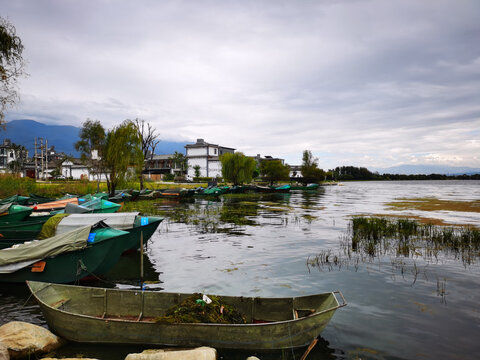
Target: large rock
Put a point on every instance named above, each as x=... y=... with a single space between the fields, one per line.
x=23 y=339
x=201 y=353
x=4 y=352
x=68 y=359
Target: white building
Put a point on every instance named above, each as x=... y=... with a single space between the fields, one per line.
x=7 y=154
x=206 y=156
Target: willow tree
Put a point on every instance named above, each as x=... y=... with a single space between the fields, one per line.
x=122 y=154
x=237 y=168
x=11 y=66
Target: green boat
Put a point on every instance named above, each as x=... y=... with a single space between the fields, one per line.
x=63 y=258
x=136 y=225
x=15 y=199
x=12 y=233
x=306 y=187
x=12 y=212
x=103 y=315
x=96 y=205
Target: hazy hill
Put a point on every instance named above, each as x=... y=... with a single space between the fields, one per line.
x=63 y=137
x=428 y=169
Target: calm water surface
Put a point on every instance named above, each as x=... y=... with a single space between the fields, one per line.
x=398 y=308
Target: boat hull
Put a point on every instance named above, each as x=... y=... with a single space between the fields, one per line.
x=128 y=318
x=72 y=266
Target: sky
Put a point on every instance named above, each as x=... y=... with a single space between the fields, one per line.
x=373 y=83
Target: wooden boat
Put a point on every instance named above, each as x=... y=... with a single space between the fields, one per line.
x=63 y=258
x=55 y=205
x=101 y=315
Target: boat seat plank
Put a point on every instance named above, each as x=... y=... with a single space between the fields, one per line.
x=59 y=303
x=300 y=313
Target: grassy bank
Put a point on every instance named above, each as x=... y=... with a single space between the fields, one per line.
x=11 y=185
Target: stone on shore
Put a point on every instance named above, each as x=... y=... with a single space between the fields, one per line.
x=4 y=352
x=23 y=339
x=201 y=353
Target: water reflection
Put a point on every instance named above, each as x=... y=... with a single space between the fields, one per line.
x=260 y=245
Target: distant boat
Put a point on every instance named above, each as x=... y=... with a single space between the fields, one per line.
x=105 y=315
x=63 y=258
x=306 y=187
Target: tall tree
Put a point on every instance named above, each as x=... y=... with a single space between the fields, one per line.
x=274 y=170
x=123 y=151
x=92 y=146
x=310 y=171
x=11 y=66
x=20 y=157
x=148 y=135
x=180 y=161
x=237 y=168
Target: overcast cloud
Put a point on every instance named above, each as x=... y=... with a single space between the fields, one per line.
x=364 y=82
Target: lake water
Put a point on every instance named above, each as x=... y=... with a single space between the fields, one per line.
x=398 y=307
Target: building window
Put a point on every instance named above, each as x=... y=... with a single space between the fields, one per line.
x=215 y=151
x=11 y=154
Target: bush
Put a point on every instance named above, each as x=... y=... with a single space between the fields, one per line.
x=168 y=177
x=202 y=179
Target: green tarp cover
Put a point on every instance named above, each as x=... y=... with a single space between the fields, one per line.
x=99 y=203
x=121 y=221
x=36 y=250
x=50 y=226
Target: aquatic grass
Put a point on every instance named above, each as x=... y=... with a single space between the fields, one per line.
x=370 y=237
x=434 y=204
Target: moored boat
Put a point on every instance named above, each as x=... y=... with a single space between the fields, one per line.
x=305 y=187
x=11 y=212
x=137 y=226
x=104 y=315
x=55 y=205
x=62 y=258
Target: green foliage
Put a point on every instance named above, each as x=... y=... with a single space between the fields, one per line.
x=237 y=168
x=11 y=66
x=168 y=177
x=196 y=169
x=310 y=171
x=13 y=184
x=180 y=161
x=274 y=170
x=123 y=153
x=92 y=137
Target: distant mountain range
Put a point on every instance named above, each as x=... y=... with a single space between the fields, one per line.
x=63 y=137
x=427 y=170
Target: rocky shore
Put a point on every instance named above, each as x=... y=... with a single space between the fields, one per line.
x=20 y=340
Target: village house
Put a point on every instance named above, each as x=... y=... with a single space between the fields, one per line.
x=7 y=154
x=206 y=156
